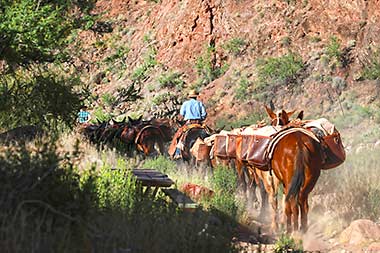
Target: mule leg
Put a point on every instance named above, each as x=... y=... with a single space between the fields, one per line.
x=295 y=214
x=304 y=211
x=288 y=214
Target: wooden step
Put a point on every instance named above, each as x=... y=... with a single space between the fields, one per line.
x=180 y=199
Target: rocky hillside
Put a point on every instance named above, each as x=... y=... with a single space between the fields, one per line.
x=319 y=56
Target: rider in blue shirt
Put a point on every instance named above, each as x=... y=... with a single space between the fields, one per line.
x=193 y=110
x=83 y=115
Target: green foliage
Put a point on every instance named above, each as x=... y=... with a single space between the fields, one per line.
x=160 y=163
x=282 y=69
x=276 y=71
x=231 y=123
x=33 y=45
x=32 y=31
x=334 y=54
x=162 y=98
x=120 y=54
x=141 y=72
x=224 y=182
x=45 y=100
x=242 y=91
x=88 y=21
x=66 y=211
x=171 y=80
x=206 y=67
x=287 y=244
x=371 y=70
x=101 y=115
x=359 y=177
x=116 y=188
x=334 y=48
x=235 y=46
x=108 y=99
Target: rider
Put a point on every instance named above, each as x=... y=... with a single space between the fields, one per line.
x=83 y=115
x=192 y=111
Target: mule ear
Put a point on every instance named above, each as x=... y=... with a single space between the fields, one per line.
x=290 y=113
x=130 y=119
x=99 y=122
x=123 y=121
x=300 y=115
x=285 y=116
x=139 y=119
x=271 y=114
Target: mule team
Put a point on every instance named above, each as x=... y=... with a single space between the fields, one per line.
x=287 y=152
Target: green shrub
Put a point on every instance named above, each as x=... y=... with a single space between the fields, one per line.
x=101 y=115
x=120 y=54
x=160 y=163
x=108 y=99
x=224 y=182
x=334 y=53
x=116 y=188
x=161 y=98
x=278 y=70
x=371 y=70
x=171 y=80
x=242 y=91
x=235 y=46
x=231 y=123
x=140 y=73
x=334 y=48
x=206 y=69
x=274 y=72
x=287 y=244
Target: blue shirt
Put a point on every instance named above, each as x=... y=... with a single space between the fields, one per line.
x=193 y=109
x=83 y=116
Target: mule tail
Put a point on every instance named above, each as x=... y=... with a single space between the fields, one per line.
x=298 y=178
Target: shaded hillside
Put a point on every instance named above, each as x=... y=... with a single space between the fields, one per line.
x=237 y=53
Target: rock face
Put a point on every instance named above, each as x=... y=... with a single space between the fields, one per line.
x=182 y=29
x=361 y=231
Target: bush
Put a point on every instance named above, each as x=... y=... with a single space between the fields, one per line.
x=242 y=91
x=206 y=69
x=287 y=244
x=231 y=123
x=354 y=186
x=235 y=46
x=274 y=72
x=160 y=163
x=108 y=99
x=47 y=206
x=282 y=70
x=371 y=70
x=116 y=189
x=171 y=80
x=224 y=182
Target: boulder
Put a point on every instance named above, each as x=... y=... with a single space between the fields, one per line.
x=360 y=231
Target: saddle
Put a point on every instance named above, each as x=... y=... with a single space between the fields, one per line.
x=248 y=146
x=180 y=137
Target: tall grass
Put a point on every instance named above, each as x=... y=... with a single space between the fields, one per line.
x=50 y=205
x=353 y=189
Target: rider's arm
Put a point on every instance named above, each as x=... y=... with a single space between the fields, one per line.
x=203 y=111
x=182 y=111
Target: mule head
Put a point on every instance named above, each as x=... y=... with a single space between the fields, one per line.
x=280 y=118
x=134 y=122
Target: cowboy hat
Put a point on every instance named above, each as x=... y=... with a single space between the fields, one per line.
x=193 y=94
